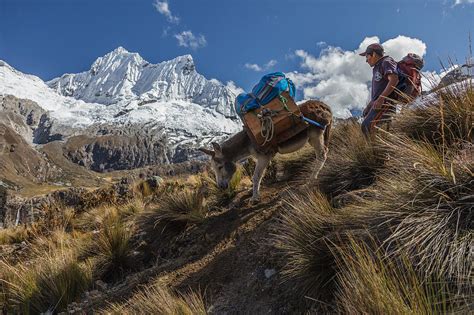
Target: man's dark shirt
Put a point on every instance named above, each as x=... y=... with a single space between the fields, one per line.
x=385 y=66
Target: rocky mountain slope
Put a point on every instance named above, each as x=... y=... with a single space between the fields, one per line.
x=125 y=112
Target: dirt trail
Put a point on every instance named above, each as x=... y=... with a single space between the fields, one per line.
x=229 y=258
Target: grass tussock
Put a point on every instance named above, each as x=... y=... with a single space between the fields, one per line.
x=58 y=241
x=446 y=118
x=307 y=230
x=158 y=300
x=353 y=161
x=221 y=197
x=112 y=249
x=96 y=218
x=173 y=213
x=394 y=287
x=426 y=208
x=15 y=235
x=421 y=209
x=50 y=282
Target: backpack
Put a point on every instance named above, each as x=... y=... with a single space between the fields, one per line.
x=409 y=77
x=269 y=87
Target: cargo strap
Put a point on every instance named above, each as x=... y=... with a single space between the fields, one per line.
x=283 y=100
x=312 y=122
x=315 y=123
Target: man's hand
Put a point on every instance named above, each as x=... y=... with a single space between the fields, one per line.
x=377 y=104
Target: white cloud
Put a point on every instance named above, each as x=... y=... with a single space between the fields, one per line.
x=270 y=64
x=341 y=78
x=234 y=88
x=265 y=67
x=457 y=2
x=162 y=6
x=398 y=47
x=253 y=66
x=188 y=39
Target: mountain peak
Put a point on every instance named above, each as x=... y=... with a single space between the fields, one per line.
x=120 y=50
x=122 y=76
x=186 y=57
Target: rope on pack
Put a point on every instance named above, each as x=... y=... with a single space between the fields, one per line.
x=268 y=127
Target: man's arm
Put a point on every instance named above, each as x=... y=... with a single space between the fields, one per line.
x=392 y=83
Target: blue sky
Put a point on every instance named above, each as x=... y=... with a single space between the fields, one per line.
x=230 y=40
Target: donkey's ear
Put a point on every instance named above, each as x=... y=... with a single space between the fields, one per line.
x=216 y=147
x=208 y=152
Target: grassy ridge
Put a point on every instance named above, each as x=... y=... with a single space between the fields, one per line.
x=404 y=234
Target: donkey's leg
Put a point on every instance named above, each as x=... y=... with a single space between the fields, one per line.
x=316 y=139
x=262 y=163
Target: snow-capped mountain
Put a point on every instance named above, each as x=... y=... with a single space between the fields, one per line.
x=122 y=90
x=124 y=76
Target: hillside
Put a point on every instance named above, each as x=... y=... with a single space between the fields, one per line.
x=390 y=219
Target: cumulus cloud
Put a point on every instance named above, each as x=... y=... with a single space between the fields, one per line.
x=258 y=68
x=457 y=2
x=162 y=6
x=188 y=39
x=234 y=88
x=342 y=78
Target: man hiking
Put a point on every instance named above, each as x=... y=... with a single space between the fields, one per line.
x=384 y=81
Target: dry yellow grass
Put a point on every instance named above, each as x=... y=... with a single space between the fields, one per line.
x=112 y=249
x=157 y=300
x=353 y=161
x=370 y=283
x=14 y=234
x=47 y=283
x=419 y=213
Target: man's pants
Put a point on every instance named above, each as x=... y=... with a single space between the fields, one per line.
x=377 y=118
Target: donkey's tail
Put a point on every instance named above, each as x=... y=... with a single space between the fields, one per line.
x=327 y=132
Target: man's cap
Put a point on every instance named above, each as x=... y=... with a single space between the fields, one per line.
x=373 y=48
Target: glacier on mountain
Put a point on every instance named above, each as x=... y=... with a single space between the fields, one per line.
x=124 y=76
x=121 y=88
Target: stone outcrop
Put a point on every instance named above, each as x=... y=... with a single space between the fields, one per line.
x=22 y=115
x=108 y=148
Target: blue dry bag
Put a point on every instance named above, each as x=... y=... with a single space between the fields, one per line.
x=269 y=87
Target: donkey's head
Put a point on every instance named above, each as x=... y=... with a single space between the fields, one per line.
x=223 y=167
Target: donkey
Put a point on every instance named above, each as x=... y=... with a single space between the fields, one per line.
x=239 y=147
